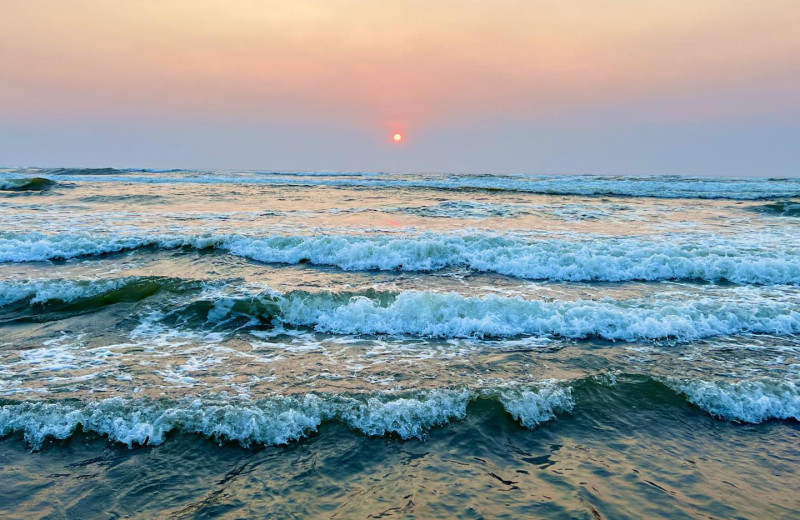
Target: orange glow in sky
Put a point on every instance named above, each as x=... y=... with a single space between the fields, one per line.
x=265 y=81
x=369 y=61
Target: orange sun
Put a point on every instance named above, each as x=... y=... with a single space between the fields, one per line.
x=397 y=137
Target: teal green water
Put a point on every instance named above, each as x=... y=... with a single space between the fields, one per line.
x=241 y=344
x=632 y=451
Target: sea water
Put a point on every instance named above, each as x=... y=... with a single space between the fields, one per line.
x=331 y=345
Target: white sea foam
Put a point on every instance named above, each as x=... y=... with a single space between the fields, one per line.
x=465 y=209
x=451 y=315
x=280 y=420
x=743 y=401
x=602 y=259
x=141 y=422
x=277 y=420
x=678 y=315
x=406 y=417
x=533 y=407
x=40 y=291
x=749 y=259
x=37 y=247
x=7 y=184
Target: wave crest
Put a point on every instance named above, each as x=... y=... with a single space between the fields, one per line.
x=600 y=259
x=451 y=315
x=531 y=408
x=284 y=419
x=228 y=306
x=275 y=421
x=40 y=299
x=742 y=401
x=26 y=184
x=781 y=208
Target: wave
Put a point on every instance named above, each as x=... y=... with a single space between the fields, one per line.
x=102 y=172
x=227 y=304
x=276 y=421
x=782 y=208
x=42 y=291
x=29 y=298
x=88 y=171
x=452 y=315
x=742 y=401
x=122 y=199
x=579 y=185
x=748 y=260
x=283 y=419
x=464 y=209
x=38 y=247
x=26 y=184
x=598 y=259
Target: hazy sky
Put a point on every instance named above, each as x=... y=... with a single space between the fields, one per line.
x=539 y=86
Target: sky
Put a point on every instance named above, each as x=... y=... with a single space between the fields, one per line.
x=693 y=87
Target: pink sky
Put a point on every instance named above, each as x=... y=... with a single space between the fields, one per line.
x=499 y=86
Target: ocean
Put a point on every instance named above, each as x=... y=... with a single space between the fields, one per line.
x=238 y=344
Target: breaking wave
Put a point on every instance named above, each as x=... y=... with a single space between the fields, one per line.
x=283 y=419
x=278 y=420
x=451 y=315
x=26 y=299
x=782 y=208
x=26 y=184
x=208 y=305
x=743 y=401
x=41 y=292
x=748 y=260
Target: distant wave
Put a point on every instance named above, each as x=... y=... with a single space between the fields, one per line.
x=583 y=185
x=782 y=208
x=464 y=209
x=104 y=171
x=746 y=260
x=284 y=419
x=85 y=171
x=26 y=184
x=122 y=199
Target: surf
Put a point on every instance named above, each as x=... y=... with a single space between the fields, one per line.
x=746 y=259
x=281 y=420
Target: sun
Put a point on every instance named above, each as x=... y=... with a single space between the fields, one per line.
x=397 y=137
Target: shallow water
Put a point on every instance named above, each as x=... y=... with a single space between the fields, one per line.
x=238 y=344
